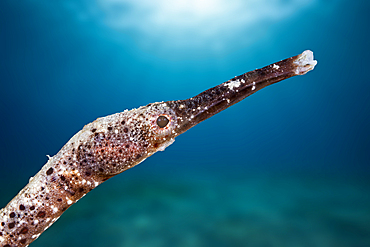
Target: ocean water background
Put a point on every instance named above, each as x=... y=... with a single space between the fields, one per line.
x=288 y=166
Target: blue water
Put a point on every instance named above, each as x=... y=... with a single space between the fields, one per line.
x=288 y=166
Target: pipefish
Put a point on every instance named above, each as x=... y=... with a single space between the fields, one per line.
x=115 y=143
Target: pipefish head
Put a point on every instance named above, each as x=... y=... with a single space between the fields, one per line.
x=156 y=125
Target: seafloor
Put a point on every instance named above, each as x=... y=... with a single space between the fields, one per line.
x=205 y=208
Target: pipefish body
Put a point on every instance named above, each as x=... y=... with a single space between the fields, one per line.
x=113 y=144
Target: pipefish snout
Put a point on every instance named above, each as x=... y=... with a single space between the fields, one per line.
x=113 y=144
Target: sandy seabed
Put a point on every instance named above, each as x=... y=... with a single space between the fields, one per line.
x=254 y=210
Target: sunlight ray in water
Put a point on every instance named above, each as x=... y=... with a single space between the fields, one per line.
x=177 y=23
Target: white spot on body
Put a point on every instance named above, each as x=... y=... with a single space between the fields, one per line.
x=232 y=84
x=275 y=66
x=69 y=202
x=254 y=86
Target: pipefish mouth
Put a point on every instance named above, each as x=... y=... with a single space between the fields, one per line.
x=115 y=143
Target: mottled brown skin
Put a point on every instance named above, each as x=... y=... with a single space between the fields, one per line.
x=113 y=144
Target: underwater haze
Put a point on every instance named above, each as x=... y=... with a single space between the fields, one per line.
x=287 y=167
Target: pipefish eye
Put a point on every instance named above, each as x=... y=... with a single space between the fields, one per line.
x=162 y=121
